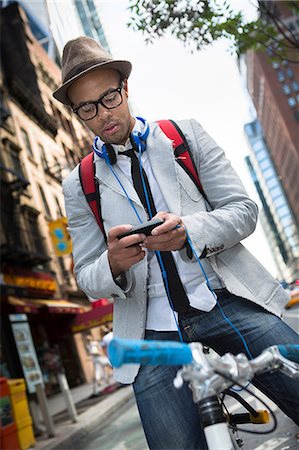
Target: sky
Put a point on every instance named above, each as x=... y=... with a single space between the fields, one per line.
x=167 y=81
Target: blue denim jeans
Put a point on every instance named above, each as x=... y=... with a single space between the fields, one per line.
x=170 y=418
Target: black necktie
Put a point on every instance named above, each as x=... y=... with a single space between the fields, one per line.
x=176 y=292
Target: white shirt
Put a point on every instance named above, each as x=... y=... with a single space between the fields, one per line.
x=160 y=316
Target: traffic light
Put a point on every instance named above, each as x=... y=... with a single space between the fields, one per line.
x=60 y=237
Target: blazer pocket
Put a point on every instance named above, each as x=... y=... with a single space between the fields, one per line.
x=191 y=190
x=188 y=185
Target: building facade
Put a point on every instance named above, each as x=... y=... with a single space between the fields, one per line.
x=54 y=22
x=276 y=215
x=274 y=89
x=41 y=141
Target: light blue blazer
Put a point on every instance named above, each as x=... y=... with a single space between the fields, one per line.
x=232 y=219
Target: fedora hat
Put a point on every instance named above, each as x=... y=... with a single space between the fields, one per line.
x=82 y=55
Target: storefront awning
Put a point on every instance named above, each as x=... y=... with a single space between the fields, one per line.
x=93 y=318
x=23 y=305
x=61 y=306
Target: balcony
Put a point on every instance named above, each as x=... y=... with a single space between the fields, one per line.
x=23 y=246
x=17 y=183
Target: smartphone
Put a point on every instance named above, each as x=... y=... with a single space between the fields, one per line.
x=143 y=228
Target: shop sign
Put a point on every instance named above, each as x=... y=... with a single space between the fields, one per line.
x=92 y=323
x=27 y=355
x=17 y=317
x=30 y=282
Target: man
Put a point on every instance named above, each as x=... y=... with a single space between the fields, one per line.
x=101 y=364
x=96 y=88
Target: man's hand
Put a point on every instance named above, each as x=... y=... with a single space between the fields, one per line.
x=124 y=253
x=169 y=236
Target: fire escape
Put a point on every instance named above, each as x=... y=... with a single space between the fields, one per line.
x=20 y=240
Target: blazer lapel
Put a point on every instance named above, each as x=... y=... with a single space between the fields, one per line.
x=164 y=166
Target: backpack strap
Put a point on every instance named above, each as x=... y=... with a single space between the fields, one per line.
x=90 y=188
x=182 y=151
x=183 y=157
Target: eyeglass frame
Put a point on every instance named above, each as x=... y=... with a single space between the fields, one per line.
x=100 y=100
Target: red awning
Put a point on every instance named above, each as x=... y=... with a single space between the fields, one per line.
x=93 y=318
x=100 y=302
x=60 y=306
x=23 y=305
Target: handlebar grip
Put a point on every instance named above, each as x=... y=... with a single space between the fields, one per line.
x=123 y=351
x=290 y=351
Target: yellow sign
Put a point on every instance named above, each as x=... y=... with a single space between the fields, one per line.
x=35 y=283
x=92 y=323
x=60 y=237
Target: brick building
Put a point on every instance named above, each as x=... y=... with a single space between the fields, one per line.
x=274 y=88
x=41 y=141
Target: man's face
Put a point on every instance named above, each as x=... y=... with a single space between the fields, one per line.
x=112 y=125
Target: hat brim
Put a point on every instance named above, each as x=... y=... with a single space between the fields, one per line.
x=123 y=67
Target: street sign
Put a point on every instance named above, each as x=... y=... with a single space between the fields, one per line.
x=60 y=237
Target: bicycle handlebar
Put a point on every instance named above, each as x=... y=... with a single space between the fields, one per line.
x=121 y=351
x=290 y=352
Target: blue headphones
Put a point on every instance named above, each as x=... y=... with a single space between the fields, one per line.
x=137 y=139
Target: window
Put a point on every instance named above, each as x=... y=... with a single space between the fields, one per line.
x=258 y=146
x=279 y=201
x=269 y=173
x=283 y=211
x=43 y=157
x=58 y=210
x=275 y=65
x=289 y=231
x=74 y=160
x=275 y=192
x=292 y=102
x=290 y=72
x=262 y=155
x=34 y=237
x=295 y=86
x=45 y=203
x=280 y=76
x=286 y=89
x=57 y=168
x=286 y=220
x=272 y=183
x=293 y=242
x=265 y=164
x=27 y=142
x=16 y=163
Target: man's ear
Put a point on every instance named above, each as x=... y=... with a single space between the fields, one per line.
x=126 y=89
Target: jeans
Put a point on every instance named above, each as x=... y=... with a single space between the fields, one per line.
x=169 y=416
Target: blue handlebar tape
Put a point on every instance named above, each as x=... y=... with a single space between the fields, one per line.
x=290 y=351
x=123 y=351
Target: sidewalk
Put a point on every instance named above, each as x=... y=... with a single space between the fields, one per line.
x=92 y=411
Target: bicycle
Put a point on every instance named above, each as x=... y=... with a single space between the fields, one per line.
x=210 y=379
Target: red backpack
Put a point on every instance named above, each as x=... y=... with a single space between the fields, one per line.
x=181 y=151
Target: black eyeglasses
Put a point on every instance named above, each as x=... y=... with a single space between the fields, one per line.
x=89 y=110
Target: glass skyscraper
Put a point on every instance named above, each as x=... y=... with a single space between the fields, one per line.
x=276 y=216
x=54 y=22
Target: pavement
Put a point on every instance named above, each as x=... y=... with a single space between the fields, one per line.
x=92 y=412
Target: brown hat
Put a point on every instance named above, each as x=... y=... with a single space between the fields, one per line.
x=82 y=55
